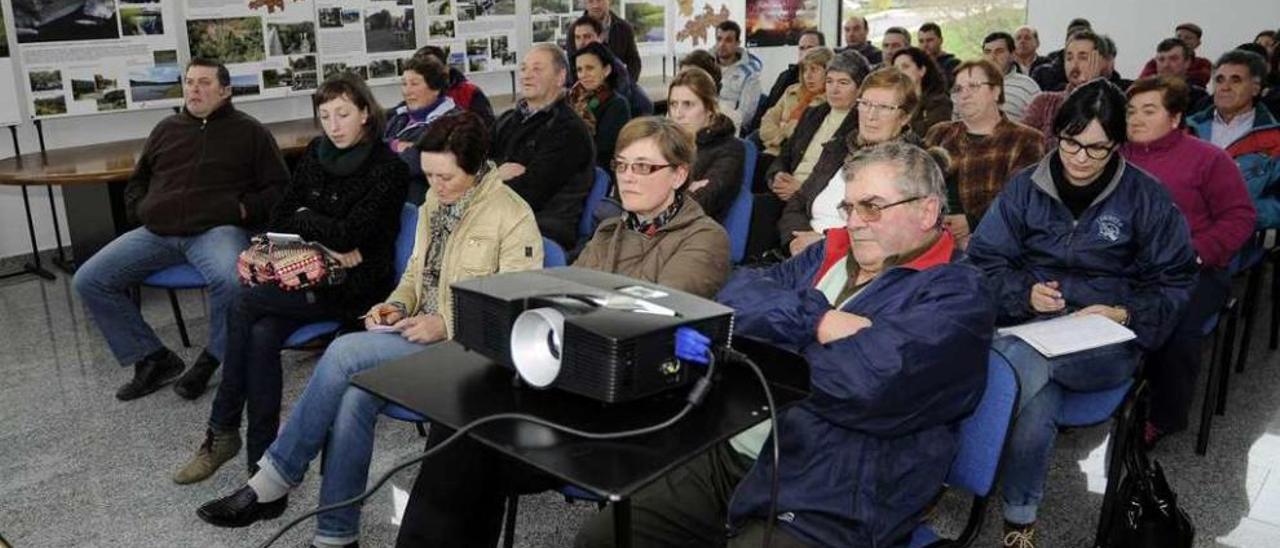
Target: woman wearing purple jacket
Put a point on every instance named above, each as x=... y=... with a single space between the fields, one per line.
x=1209 y=190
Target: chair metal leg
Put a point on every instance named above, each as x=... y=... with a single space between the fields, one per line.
x=1210 y=394
x=1227 y=353
x=177 y=316
x=509 y=524
x=422 y=428
x=1275 y=303
x=1252 y=288
x=1122 y=430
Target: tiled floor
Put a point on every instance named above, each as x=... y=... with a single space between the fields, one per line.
x=78 y=468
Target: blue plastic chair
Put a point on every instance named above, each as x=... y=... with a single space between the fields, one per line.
x=982 y=440
x=1249 y=261
x=171 y=279
x=599 y=189
x=737 y=221
x=1215 y=391
x=553 y=255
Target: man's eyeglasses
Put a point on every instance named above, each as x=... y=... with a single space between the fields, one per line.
x=867 y=211
x=961 y=88
x=876 y=108
x=1095 y=151
x=636 y=168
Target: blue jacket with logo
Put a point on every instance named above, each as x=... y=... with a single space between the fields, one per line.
x=1258 y=156
x=864 y=454
x=1131 y=247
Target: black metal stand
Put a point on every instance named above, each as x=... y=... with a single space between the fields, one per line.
x=61 y=260
x=513 y=84
x=33 y=267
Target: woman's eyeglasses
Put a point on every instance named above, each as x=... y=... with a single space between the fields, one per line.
x=1096 y=151
x=876 y=108
x=867 y=211
x=636 y=168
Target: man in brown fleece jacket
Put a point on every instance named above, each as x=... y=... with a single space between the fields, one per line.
x=206 y=175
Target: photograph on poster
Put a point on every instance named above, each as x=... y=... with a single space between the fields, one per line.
x=440 y=30
x=329 y=18
x=773 y=23
x=648 y=19
x=498 y=46
x=4 y=39
x=477 y=46
x=155 y=83
x=49 y=106
x=303 y=81
x=112 y=100
x=244 y=84
x=550 y=7
x=229 y=40
x=350 y=16
x=305 y=62
x=544 y=31
x=38 y=21
x=141 y=20
x=382 y=68
x=291 y=38
x=45 y=80
x=80 y=88
x=439 y=7
x=478 y=64
x=93 y=88
x=389 y=30
x=163 y=57
x=486 y=8
x=277 y=78
x=458 y=60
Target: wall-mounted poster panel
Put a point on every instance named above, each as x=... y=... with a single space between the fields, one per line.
x=268 y=45
x=648 y=18
x=94 y=56
x=478 y=35
x=550 y=20
x=10 y=112
x=371 y=38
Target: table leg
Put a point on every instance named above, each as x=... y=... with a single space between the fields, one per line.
x=61 y=260
x=622 y=523
x=33 y=267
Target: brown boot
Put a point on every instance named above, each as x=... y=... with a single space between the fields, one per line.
x=1019 y=535
x=218 y=448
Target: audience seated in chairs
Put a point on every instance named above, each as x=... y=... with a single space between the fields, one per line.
x=1210 y=193
x=809 y=39
x=346 y=195
x=543 y=150
x=471 y=225
x=985 y=146
x=465 y=94
x=896 y=333
x=1082 y=232
x=885 y=103
x=422 y=85
x=716 y=176
x=779 y=122
x=588 y=30
x=663 y=237
x=815 y=151
x=1082 y=62
x=205 y=177
x=594 y=100
x=931 y=86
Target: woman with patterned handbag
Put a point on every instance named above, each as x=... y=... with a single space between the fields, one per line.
x=346 y=195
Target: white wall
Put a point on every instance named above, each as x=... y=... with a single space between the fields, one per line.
x=1137 y=26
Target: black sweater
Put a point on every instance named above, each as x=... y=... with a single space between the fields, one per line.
x=720 y=161
x=358 y=211
x=558 y=154
x=195 y=174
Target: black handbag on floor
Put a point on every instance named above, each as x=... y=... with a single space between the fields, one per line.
x=1146 y=513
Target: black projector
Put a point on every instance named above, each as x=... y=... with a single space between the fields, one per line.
x=604 y=336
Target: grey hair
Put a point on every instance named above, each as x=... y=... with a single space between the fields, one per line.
x=1255 y=63
x=557 y=55
x=918 y=171
x=851 y=63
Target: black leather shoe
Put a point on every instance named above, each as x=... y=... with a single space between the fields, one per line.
x=352 y=545
x=241 y=509
x=150 y=374
x=193 y=383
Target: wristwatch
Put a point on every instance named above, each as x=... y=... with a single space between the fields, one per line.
x=1127 y=317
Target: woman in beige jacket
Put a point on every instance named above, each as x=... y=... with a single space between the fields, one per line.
x=471 y=225
x=780 y=121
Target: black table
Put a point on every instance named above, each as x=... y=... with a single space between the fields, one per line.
x=452 y=387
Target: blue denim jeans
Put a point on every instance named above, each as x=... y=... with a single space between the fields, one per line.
x=106 y=279
x=330 y=405
x=1041 y=382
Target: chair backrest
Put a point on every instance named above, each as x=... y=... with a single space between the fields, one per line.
x=983 y=434
x=587 y=225
x=552 y=253
x=737 y=221
x=404 y=240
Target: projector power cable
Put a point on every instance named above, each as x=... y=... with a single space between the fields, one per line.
x=692 y=399
x=732 y=355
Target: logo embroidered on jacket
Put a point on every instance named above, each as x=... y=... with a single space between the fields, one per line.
x=1110 y=227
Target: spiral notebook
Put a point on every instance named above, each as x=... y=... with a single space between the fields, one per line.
x=1070 y=334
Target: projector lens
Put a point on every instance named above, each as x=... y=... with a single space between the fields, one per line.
x=536 y=341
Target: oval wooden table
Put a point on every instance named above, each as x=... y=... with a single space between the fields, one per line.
x=92 y=178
